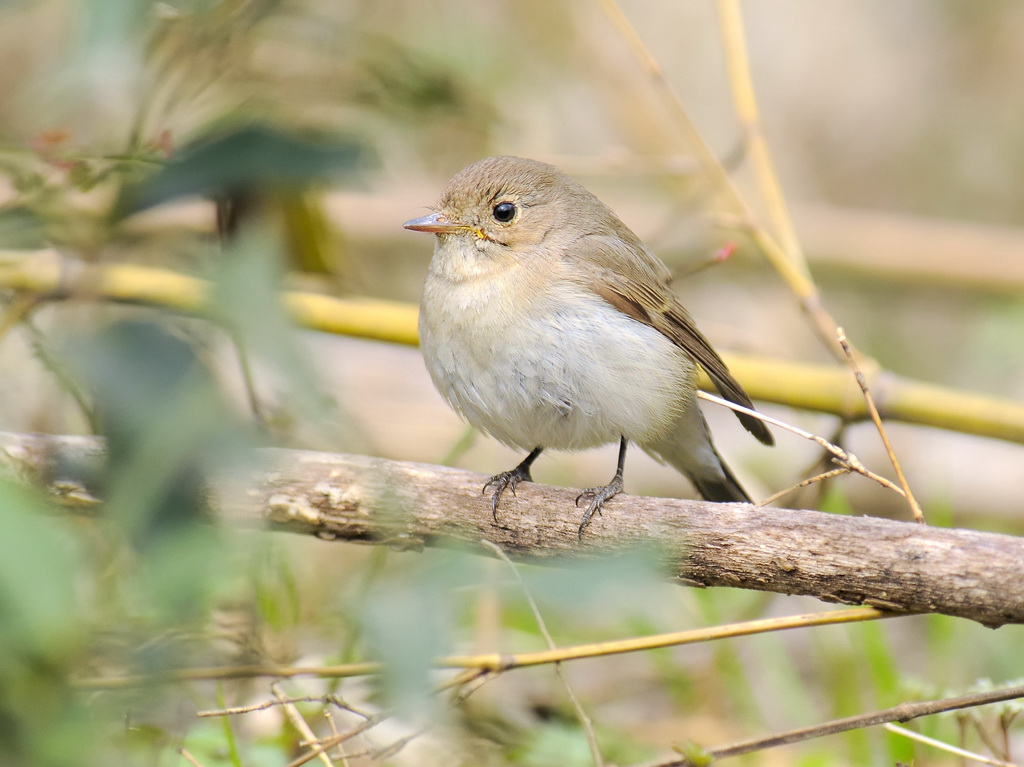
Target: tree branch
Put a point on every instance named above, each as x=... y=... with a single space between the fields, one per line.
x=853 y=560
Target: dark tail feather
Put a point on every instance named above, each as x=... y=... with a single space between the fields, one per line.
x=688 y=448
x=725 y=489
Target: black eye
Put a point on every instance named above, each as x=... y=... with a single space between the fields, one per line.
x=504 y=212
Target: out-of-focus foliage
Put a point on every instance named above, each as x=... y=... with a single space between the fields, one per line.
x=253 y=157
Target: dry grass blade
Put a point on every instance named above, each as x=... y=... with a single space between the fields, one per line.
x=585 y=721
x=299 y=723
x=946 y=746
x=738 y=65
x=792 y=271
x=189 y=758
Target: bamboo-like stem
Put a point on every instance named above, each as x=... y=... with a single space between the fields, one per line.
x=491 y=662
x=738 y=66
x=826 y=389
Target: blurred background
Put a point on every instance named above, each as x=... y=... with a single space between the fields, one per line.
x=896 y=134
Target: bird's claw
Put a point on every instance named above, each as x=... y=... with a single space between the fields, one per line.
x=597 y=497
x=507 y=480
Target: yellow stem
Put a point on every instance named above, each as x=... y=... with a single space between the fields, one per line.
x=822 y=388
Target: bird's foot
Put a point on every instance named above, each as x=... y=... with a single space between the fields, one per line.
x=597 y=497
x=506 y=480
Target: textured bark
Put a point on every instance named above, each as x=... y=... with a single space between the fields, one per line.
x=898 y=566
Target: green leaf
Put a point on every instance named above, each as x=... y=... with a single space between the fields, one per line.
x=38 y=614
x=253 y=157
x=21 y=228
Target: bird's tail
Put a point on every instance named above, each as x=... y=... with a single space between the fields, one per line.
x=688 y=449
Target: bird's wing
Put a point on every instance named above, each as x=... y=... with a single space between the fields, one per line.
x=638 y=287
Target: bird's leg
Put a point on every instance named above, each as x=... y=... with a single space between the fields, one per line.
x=509 y=479
x=598 y=495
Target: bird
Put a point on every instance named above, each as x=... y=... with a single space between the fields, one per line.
x=546 y=323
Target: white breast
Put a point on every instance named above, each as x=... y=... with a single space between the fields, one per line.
x=558 y=368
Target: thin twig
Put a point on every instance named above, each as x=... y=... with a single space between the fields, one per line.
x=334 y=740
x=588 y=725
x=248 y=378
x=948 y=748
x=334 y=733
x=272 y=703
x=386 y=752
x=843 y=457
x=464 y=680
x=902 y=713
x=720 y=256
x=915 y=509
x=804 y=483
x=467 y=687
x=990 y=740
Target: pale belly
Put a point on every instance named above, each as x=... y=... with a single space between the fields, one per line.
x=552 y=377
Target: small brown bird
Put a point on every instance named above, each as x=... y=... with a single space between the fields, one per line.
x=546 y=323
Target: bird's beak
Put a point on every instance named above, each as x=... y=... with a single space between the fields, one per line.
x=435 y=223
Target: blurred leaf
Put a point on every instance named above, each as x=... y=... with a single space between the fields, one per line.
x=694 y=754
x=587 y=592
x=42 y=633
x=168 y=429
x=254 y=157
x=885 y=672
x=404 y=80
x=38 y=612
x=555 y=745
x=247 y=301
x=277 y=589
x=21 y=228
x=562 y=743
x=408 y=622
x=83 y=176
x=306 y=229
x=112 y=21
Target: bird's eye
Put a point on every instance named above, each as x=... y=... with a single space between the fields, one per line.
x=504 y=212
